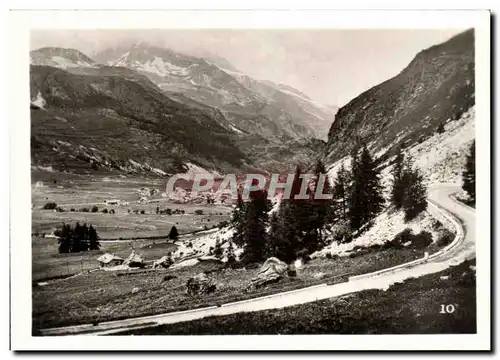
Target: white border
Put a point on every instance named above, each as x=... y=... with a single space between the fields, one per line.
x=20 y=24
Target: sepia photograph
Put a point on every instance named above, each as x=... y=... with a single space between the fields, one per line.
x=232 y=180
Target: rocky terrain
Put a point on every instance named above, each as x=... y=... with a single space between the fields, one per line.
x=435 y=88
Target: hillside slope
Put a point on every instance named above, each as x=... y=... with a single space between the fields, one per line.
x=110 y=118
x=436 y=87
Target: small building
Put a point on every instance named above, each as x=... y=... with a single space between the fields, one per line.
x=108 y=260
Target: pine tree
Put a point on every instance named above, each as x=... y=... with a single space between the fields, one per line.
x=174 y=234
x=218 y=252
x=415 y=192
x=398 y=186
x=65 y=235
x=341 y=193
x=254 y=227
x=469 y=173
x=366 y=200
x=319 y=210
x=84 y=241
x=77 y=238
x=231 y=256
x=238 y=219
x=93 y=239
x=275 y=238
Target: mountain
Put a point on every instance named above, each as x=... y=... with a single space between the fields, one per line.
x=435 y=88
x=114 y=118
x=60 y=57
x=251 y=106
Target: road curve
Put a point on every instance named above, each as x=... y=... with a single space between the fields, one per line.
x=463 y=248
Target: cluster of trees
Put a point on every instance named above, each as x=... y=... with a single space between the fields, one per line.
x=79 y=238
x=408 y=189
x=297 y=228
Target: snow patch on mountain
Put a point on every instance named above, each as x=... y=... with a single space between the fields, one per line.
x=162 y=67
x=39 y=101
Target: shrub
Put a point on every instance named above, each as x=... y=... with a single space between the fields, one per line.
x=128 y=211
x=222 y=224
x=403 y=237
x=328 y=255
x=105 y=211
x=95 y=209
x=189 y=245
x=59 y=209
x=198 y=212
x=436 y=224
x=421 y=240
x=342 y=233
x=112 y=211
x=50 y=206
x=72 y=210
x=84 y=209
x=142 y=212
x=445 y=238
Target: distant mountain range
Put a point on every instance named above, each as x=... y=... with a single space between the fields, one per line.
x=151 y=109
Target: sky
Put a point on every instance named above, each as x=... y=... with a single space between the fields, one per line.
x=330 y=66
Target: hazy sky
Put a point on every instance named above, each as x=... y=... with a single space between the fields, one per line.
x=331 y=66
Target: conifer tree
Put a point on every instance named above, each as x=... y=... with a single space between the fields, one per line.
x=84 y=240
x=238 y=219
x=398 y=186
x=341 y=193
x=93 y=239
x=231 y=256
x=64 y=241
x=469 y=173
x=218 y=252
x=415 y=191
x=77 y=238
x=366 y=200
x=254 y=234
x=174 y=234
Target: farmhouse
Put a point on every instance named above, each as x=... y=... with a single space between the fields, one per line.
x=110 y=260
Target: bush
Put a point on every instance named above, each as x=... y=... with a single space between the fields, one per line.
x=84 y=209
x=50 y=206
x=328 y=255
x=198 y=212
x=95 y=209
x=112 y=211
x=142 y=212
x=342 y=233
x=72 y=210
x=59 y=209
x=421 y=240
x=436 y=224
x=105 y=211
x=403 y=237
x=445 y=238
x=223 y=224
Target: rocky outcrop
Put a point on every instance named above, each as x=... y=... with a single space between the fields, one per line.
x=200 y=284
x=271 y=271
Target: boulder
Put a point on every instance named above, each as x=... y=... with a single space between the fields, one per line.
x=271 y=271
x=200 y=284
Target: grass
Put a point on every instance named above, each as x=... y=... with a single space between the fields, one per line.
x=103 y=296
x=83 y=192
x=411 y=307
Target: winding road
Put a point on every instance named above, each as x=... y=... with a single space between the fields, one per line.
x=440 y=198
